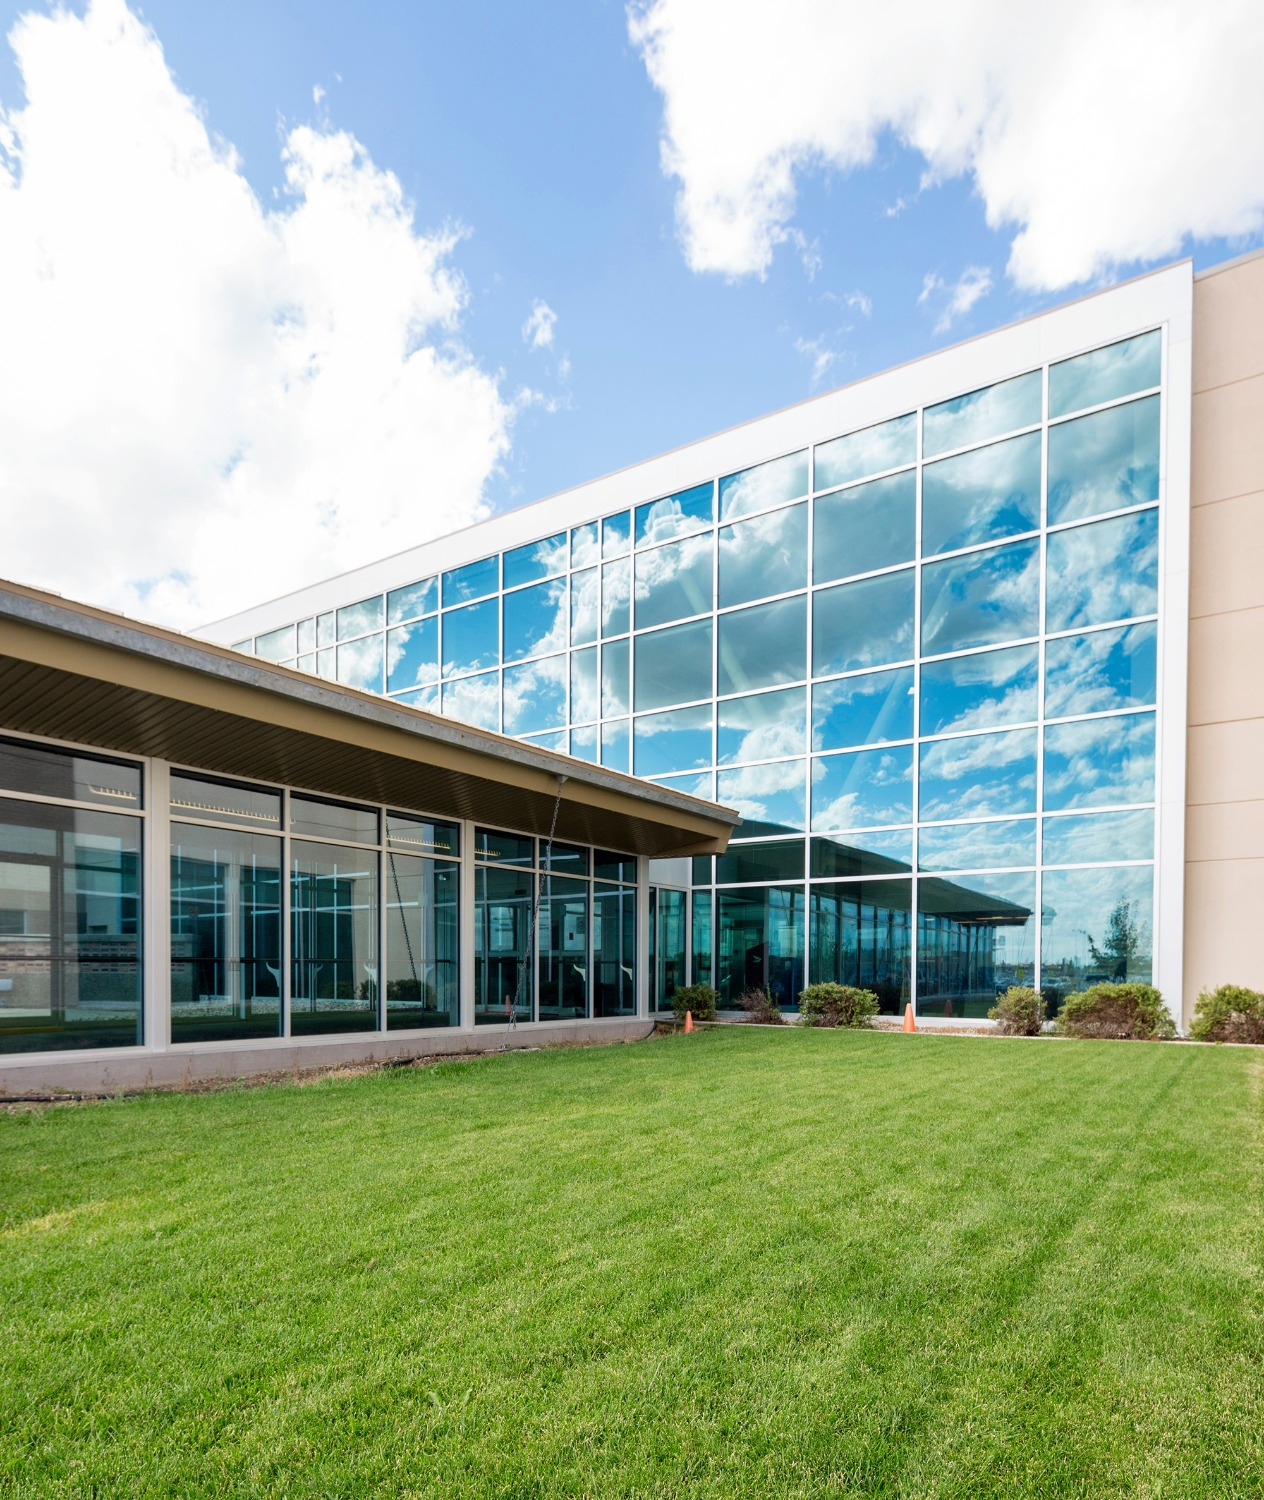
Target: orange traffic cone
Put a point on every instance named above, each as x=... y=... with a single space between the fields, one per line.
x=909 y=1023
x=689 y=1020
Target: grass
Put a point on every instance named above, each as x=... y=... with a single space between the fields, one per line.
x=734 y=1264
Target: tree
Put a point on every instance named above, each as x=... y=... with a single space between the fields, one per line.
x=1124 y=945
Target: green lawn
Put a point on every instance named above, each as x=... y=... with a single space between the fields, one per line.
x=738 y=1263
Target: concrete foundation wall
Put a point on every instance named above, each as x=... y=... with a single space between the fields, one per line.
x=1224 y=828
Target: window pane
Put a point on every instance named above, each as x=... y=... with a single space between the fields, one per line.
x=472 y=581
x=359 y=619
x=673 y=582
x=1088 y=674
x=980 y=775
x=616 y=598
x=535 y=696
x=862 y=935
x=585 y=606
x=564 y=859
x=769 y=797
x=614 y=744
x=422 y=835
x=1104 y=374
x=200 y=799
x=673 y=666
x=585 y=548
x=277 y=645
x=768 y=555
x=412 y=655
x=1099 y=761
x=422 y=943
x=333 y=939
x=535 y=620
x=983 y=414
x=863 y=624
x=426 y=698
x=976 y=936
x=225 y=934
x=863 y=710
x=1105 y=461
x=869 y=527
x=700 y=913
x=692 y=783
x=503 y=905
x=873 y=450
x=1096 y=927
x=885 y=852
x=981 y=598
x=614 y=951
x=760 y=944
x=762 y=727
x=554 y=739
x=1099 y=838
x=610 y=865
x=326 y=629
x=563 y=992
x=977 y=846
x=980 y=496
x=45 y=772
x=333 y=820
x=746 y=863
x=983 y=691
x=863 y=789
x=614 y=679
x=584 y=744
x=360 y=664
x=503 y=848
x=584 y=685
x=679 y=740
x=536 y=560
x=677 y=515
x=306 y=636
x=616 y=535
x=764 y=646
x=474 y=700
x=763 y=486
x=471 y=638
x=1107 y=571
x=70 y=958
x=415 y=599
x=667 y=945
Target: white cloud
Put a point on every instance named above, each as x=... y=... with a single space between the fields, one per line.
x=537 y=331
x=822 y=356
x=204 y=402
x=1103 y=131
x=955 y=301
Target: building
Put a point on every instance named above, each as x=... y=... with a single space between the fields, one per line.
x=989 y=623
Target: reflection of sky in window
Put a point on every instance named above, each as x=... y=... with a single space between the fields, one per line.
x=412 y=654
x=981 y=599
x=414 y=599
x=862 y=529
x=887 y=445
x=585 y=606
x=1075 y=913
x=862 y=853
x=474 y=700
x=863 y=710
x=1099 y=838
x=356 y=619
x=614 y=679
x=764 y=726
x=673 y=665
x=1105 y=461
x=767 y=555
x=769 y=797
x=981 y=496
x=584 y=685
x=673 y=582
x=544 y=559
x=471 y=581
x=614 y=745
x=360 y=664
x=1104 y=374
x=585 y=547
x=694 y=784
x=764 y=485
x=616 y=597
x=584 y=743
x=535 y=620
x=679 y=740
x=1103 y=572
x=277 y=645
x=675 y=515
x=1099 y=761
x=1088 y=674
x=981 y=775
x=764 y=646
x=981 y=691
x=471 y=637
x=987 y=413
x=616 y=534
x=863 y=624
x=977 y=846
x=862 y=789
x=535 y=696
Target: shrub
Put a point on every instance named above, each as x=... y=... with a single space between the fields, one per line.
x=1229 y=1014
x=1019 y=1012
x=837 y=1005
x=1117 y=1010
x=699 y=998
x=761 y=1008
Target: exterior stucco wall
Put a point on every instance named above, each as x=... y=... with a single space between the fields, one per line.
x=1224 y=873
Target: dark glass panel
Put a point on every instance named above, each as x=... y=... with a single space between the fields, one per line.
x=887 y=852
x=503 y=908
x=673 y=582
x=675 y=515
x=863 y=624
x=471 y=638
x=760 y=943
x=859 y=530
x=976 y=936
x=503 y=848
x=534 y=620
x=472 y=581
x=535 y=696
x=333 y=939
x=763 y=556
x=1099 y=838
x=983 y=691
x=673 y=666
x=207 y=799
x=987 y=413
x=543 y=559
x=333 y=820
x=702 y=865
x=1096 y=927
x=1103 y=572
x=764 y=486
x=43 y=771
x=865 y=788
x=678 y=740
x=563 y=988
x=981 y=496
x=359 y=619
x=981 y=598
x=418 y=835
x=1096 y=762
x=1105 y=461
x=411 y=601
x=888 y=445
x=564 y=859
x=742 y=864
x=977 y=846
x=614 y=951
x=1104 y=374
x=609 y=865
x=422 y=943
x=1088 y=674
x=763 y=646
x=864 y=710
x=764 y=726
x=412 y=655
x=770 y=797
x=862 y=935
x=978 y=776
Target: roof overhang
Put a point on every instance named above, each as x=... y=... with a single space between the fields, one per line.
x=72 y=672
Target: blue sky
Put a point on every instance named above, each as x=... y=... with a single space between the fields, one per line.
x=537 y=128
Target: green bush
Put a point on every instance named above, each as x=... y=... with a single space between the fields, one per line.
x=837 y=1005
x=1117 y=1010
x=1229 y=1014
x=1019 y=1012
x=761 y=1009
x=699 y=998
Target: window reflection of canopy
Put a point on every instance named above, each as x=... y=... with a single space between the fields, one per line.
x=512 y=1008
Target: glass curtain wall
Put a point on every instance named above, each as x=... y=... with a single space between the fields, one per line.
x=423 y=925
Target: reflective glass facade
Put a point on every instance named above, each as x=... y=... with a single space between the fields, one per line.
x=920 y=657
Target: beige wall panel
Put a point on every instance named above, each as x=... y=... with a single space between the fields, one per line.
x=1226 y=762
x=1225 y=830
x=1226 y=545
x=1222 y=932
x=1226 y=667
x=1228 y=441
x=1229 y=325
